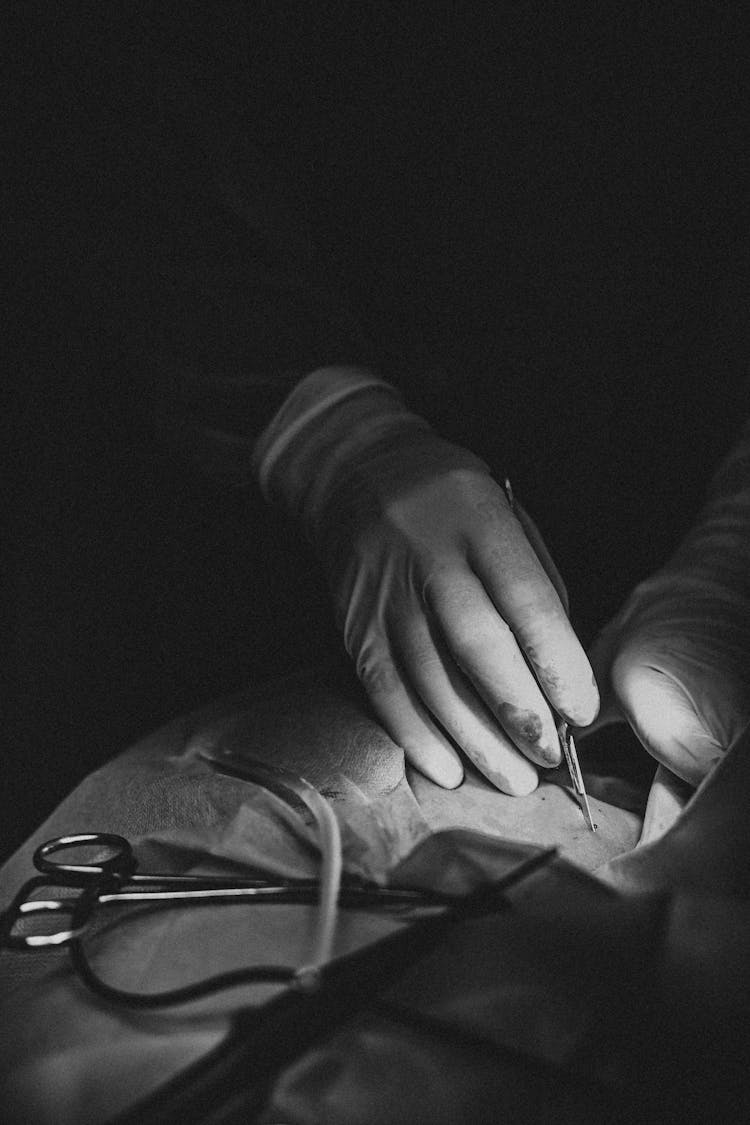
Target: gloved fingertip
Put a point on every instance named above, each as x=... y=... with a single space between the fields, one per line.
x=451 y=779
x=583 y=708
x=551 y=758
x=608 y=713
x=515 y=775
x=545 y=753
x=444 y=769
x=663 y=715
x=522 y=786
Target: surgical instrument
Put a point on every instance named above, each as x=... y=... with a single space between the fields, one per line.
x=568 y=747
x=115 y=880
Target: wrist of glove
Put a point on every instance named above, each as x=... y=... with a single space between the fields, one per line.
x=448 y=602
x=675 y=661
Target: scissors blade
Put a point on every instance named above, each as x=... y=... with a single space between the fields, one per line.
x=568 y=747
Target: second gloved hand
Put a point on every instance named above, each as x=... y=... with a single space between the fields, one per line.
x=675 y=661
x=456 y=628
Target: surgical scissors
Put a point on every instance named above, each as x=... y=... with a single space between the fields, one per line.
x=115 y=879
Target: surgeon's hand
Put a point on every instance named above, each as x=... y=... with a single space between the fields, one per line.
x=448 y=602
x=675 y=661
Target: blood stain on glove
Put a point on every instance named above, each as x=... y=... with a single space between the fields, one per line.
x=525 y=723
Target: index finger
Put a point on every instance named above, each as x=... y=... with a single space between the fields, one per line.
x=525 y=597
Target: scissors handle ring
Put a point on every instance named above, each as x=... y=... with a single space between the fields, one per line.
x=120 y=863
x=41 y=941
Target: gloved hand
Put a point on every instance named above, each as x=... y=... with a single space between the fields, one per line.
x=675 y=661
x=454 y=620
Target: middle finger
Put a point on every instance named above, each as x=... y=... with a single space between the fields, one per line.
x=450 y=698
x=485 y=649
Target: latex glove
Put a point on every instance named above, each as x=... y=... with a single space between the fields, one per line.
x=675 y=661
x=457 y=631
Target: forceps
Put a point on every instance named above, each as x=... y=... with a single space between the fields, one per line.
x=115 y=880
x=568 y=747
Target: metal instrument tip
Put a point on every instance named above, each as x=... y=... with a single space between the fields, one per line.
x=568 y=747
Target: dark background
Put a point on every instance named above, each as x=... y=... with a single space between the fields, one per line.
x=538 y=215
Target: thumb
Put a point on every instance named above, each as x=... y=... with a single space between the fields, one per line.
x=663 y=716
